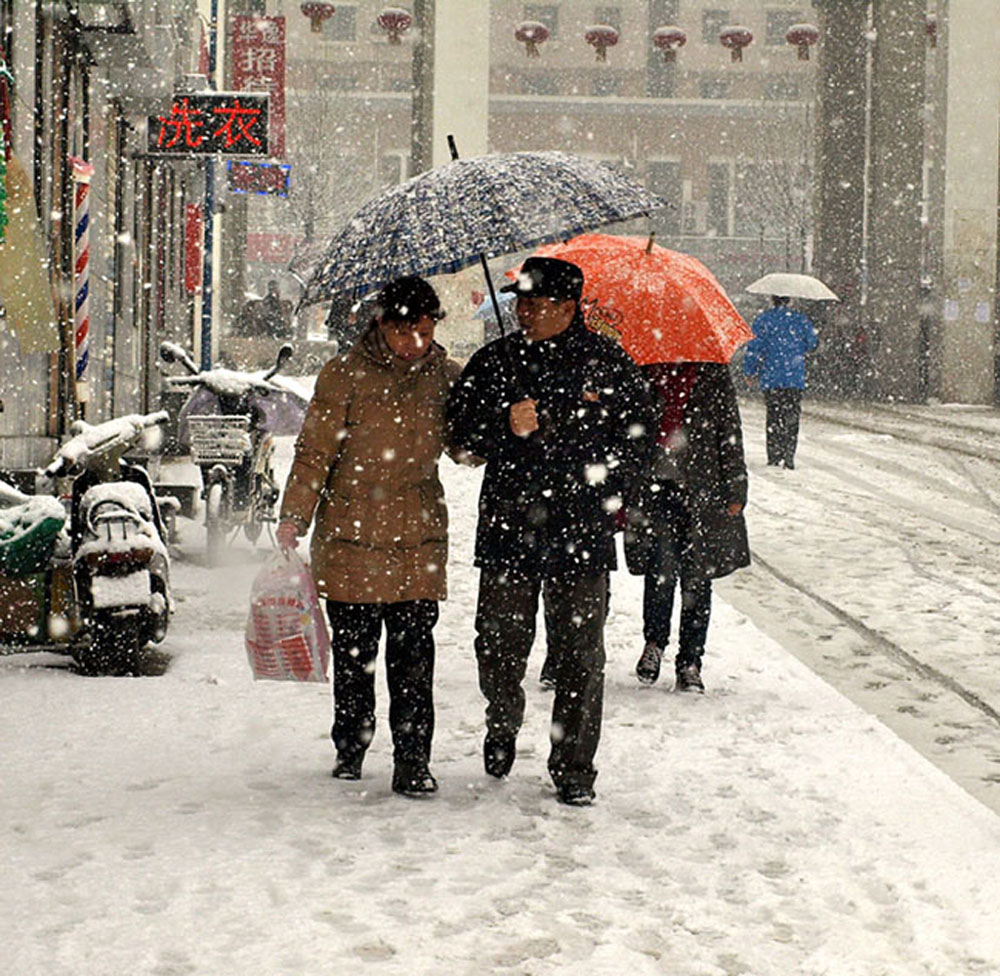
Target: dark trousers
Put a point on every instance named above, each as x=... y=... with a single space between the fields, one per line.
x=409 y=659
x=505 y=631
x=548 y=672
x=672 y=564
x=784 y=407
x=696 y=610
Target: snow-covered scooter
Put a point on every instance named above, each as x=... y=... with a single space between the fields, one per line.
x=121 y=567
x=228 y=423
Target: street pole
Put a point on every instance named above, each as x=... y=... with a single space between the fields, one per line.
x=422 y=118
x=896 y=161
x=207 y=291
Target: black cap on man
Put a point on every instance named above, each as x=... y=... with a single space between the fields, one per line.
x=547 y=278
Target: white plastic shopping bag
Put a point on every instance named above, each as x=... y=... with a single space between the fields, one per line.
x=286 y=635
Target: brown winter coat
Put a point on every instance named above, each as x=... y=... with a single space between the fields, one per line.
x=366 y=465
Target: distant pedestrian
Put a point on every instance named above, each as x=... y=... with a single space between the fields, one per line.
x=269 y=317
x=561 y=416
x=777 y=357
x=274 y=315
x=366 y=465
x=686 y=526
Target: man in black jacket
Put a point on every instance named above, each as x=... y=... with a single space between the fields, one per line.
x=562 y=417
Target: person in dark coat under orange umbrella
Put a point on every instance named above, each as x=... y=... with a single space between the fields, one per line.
x=686 y=525
x=674 y=318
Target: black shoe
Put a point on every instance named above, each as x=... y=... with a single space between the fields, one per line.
x=498 y=756
x=689 y=679
x=413 y=779
x=575 y=795
x=348 y=768
x=647 y=670
x=789 y=465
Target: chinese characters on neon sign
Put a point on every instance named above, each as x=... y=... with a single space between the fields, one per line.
x=219 y=123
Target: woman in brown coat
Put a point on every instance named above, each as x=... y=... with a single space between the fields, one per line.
x=366 y=468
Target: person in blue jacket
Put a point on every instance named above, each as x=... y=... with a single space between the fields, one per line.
x=777 y=357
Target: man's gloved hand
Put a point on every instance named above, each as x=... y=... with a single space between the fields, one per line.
x=287 y=536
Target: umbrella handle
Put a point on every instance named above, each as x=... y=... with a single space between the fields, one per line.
x=518 y=385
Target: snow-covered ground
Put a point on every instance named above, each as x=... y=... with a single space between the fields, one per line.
x=877 y=562
x=186 y=823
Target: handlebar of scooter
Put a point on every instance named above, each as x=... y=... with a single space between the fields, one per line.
x=92 y=440
x=222 y=381
x=171 y=352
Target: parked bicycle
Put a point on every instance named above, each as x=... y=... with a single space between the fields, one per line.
x=226 y=424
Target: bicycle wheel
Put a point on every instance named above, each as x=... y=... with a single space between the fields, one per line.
x=217 y=509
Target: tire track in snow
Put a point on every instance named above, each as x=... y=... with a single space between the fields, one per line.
x=918 y=434
x=887 y=647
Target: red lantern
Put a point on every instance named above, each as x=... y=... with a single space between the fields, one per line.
x=317 y=13
x=601 y=37
x=394 y=21
x=930 y=26
x=669 y=40
x=735 y=38
x=802 y=36
x=531 y=33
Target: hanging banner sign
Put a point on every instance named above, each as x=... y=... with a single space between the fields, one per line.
x=263 y=179
x=212 y=124
x=258 y=58
x=193 y=233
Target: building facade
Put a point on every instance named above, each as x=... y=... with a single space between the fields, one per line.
x=727 y=143
x=85 y=77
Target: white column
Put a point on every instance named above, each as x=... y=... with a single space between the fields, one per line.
x=971 y=193
x=461 y=77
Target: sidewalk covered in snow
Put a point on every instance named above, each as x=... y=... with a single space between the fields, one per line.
x=187 y=824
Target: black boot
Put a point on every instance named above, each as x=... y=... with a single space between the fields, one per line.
x=413 y=779
x=498 y=756
x=348 y=767
x=575 y=795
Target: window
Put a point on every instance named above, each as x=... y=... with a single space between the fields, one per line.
x=607 y=84
x=713 y=86
x=661 y=76
x=609 y=15
x=342 y=26
x=664 y=179
x=663 y=12
x=539 y=83
x=339 y=83
x=718 y=199
x=782 y=89
x=712 y=22
x=756 y=209
x=398 y=83
x=778 y=22
x=544 y=13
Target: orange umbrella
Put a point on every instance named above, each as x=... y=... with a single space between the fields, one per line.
x=661 y=305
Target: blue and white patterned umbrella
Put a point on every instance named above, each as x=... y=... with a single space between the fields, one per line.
x=444 y=220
